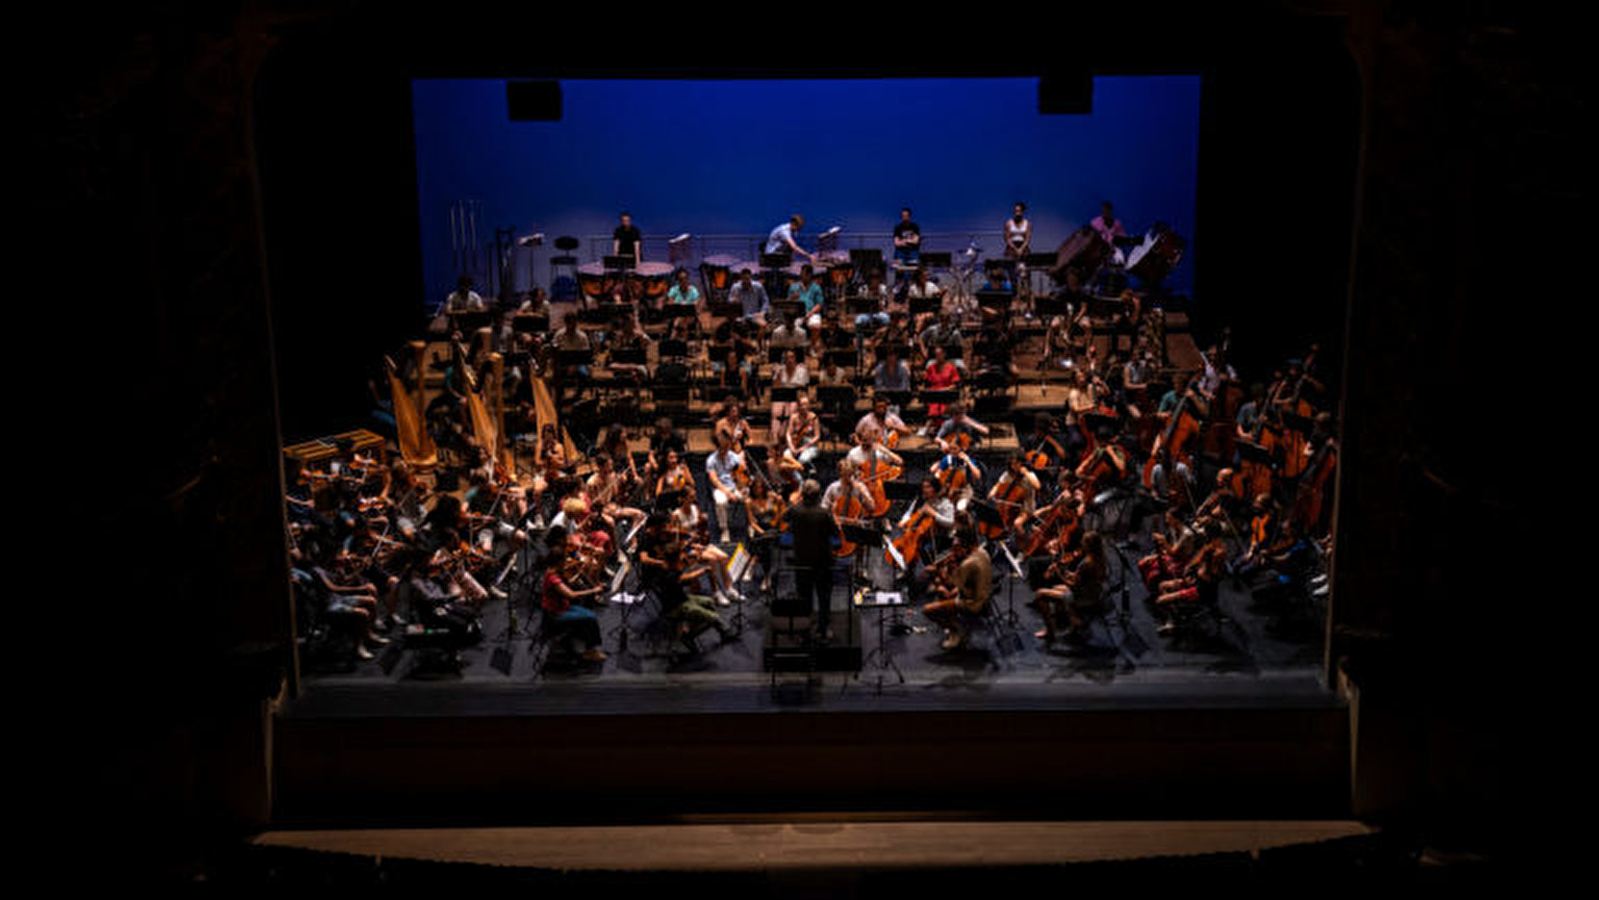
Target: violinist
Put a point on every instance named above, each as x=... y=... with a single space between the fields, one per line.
x=1199 y=582
x=667 y=567
x=1015 y=492
x=561 y=601
x=765 y=511
x=1079 y=596
x=963 y=585
x=664 y=438
x=445 y=533
x=689 y=523
x=1262 y=531
x=607 y=492
x=1106 y=466
x=1176 y=544
x=725 y=470
x=675 y=475
x=790 y=373
x=732 y=426
x=803 y=436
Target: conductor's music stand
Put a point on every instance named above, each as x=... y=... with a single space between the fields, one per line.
x=883 y=602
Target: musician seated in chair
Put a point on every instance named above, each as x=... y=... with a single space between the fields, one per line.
x=965 y=591
x=668 y=566
x=1077 y=594
x=560 y=599
x=690 y=524
x=1199 y=584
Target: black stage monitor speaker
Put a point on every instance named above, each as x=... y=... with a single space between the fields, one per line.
x=533 y=101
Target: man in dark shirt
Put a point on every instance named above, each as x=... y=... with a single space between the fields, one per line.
x=907 y=239
x=813 y=528
x=627 y=241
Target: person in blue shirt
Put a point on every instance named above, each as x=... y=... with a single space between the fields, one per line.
x=808 y=291
x=683 y=292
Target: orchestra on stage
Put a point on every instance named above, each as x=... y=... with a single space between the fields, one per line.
x=688 y=443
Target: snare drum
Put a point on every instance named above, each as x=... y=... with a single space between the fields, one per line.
x=657 y=278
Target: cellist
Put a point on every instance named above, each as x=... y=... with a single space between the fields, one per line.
x=1015 y=492
x=876 y=464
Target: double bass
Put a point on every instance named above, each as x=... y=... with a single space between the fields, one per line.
x=1172 y=443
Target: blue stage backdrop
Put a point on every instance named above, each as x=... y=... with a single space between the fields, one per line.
x=738 y=157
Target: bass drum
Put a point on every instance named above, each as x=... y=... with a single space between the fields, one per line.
x=1083 y=252
x=1155 y=258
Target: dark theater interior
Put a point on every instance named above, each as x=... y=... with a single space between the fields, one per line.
x=413 y=469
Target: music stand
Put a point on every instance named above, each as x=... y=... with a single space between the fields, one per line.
x=633 y=356
x=986 y=513
x=901 y=490
x=995 y=300
x=866 y=259
x=922 y=305
x=725 y=309
x=1249 y=451
x=936 y=259
x=844 y=358
x=1009 y=620
x=860 y=305
x=941 y=397
x=836 y=396
x=666 y=501
x=673 y=348
x=617 y=263
x=1049 y=305
x=567 y=359
x=526 y=324
x=883 y=602
x=790 y=309
x=679 y=310
x=896 y=399
x=782 y=394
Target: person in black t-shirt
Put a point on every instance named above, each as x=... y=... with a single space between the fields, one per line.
x=907 y=239
x=813 y=528
x=627 y=241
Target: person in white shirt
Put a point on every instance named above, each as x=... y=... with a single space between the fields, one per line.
x=722 y=468
x=463 y=298
x=789 y=373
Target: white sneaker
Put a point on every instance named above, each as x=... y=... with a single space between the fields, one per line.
x=721 y=599
x=726 y=537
